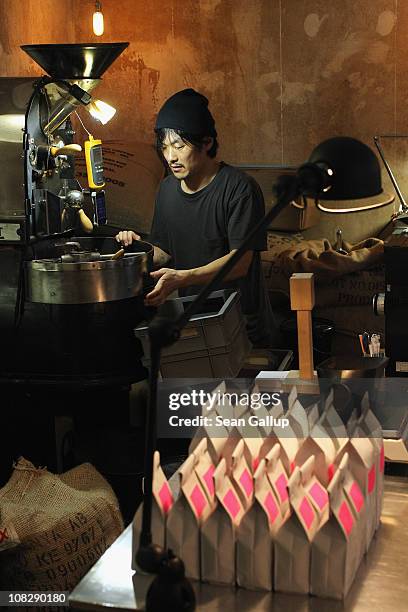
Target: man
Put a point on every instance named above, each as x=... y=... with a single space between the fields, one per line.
x=204 y=210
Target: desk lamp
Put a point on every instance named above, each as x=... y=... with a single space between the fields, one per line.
x=339 y=168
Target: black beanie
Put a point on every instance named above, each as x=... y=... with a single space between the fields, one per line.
x=187 y=110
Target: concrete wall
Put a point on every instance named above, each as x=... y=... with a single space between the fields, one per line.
x=281 y=75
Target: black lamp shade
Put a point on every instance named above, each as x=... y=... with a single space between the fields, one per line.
x=356 y=169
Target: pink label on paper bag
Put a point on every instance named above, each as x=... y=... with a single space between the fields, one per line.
x=166 y=497
x=331 y=470
x=198 y=500
x=255 y=463
x=280 y=484
x=306 y=511
x=346 y=518
x=247 y=483
x=271 y=507
x=231 y=503
x=382 y=459
x=371 y=479
x=208 y=479
x=356 y=496
x=319 y=495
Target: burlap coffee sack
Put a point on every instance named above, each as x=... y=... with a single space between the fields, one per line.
x=340 y=280
x=56 y=526
x=319 y=257
x=276 y=278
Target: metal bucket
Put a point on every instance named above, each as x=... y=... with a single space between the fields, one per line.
x=352 y=366
x=50 y=281
x=351 y=377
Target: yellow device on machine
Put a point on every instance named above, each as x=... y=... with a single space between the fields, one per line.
x=94 y=162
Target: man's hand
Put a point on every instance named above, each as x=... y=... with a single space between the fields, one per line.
x=126 y=237
x=168 y=281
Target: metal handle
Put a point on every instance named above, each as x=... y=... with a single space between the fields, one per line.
x=68 y=149
x=379 y=304
x=86 y=223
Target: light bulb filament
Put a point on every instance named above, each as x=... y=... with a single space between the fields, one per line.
x=97 y=20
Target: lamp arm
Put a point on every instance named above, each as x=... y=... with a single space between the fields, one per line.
x=390 y=173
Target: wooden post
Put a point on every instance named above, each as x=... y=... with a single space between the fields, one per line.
x=302 y=300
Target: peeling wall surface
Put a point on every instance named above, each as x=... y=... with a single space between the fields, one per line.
x=281 y=75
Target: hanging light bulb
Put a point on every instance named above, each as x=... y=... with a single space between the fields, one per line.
x=97 y=19
x=101 y=111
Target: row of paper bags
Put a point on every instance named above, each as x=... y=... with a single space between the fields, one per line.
x=293 y=510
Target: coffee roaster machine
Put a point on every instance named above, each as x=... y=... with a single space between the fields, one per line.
x=69 y=302
x=69 y=297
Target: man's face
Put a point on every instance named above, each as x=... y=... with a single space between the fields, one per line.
x=184 y=159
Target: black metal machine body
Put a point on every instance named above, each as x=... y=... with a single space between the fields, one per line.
x=393 y=304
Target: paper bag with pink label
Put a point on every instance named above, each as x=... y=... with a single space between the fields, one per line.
x=218 y=533
x=292 y=545
x=252 y=436
x=332 y=424
x=161 y=505
x=205 y=468
x=356 y=502
x=336 y=546
x=371 y=427
x=297 y=415
x=189 y=511
x=255 y=535
x=241 y=476
x=320 y=445
x=215 y=434
x=259 y=426
x=278 y=479
x=315 y=490
x=362 y=466
x=283 y=435
x=264 y=411
x=230 y=444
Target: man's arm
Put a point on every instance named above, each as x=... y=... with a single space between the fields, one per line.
x=168 y=279
x=160 y=257
x=203 y=274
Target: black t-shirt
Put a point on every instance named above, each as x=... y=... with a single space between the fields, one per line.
x=195 y=229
